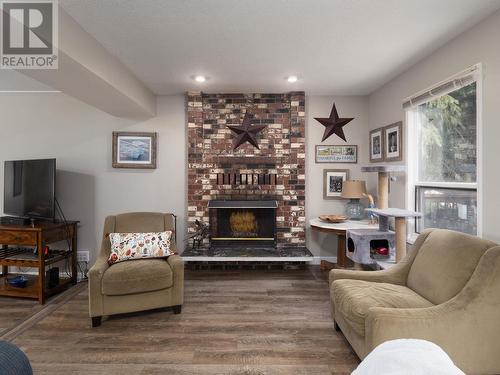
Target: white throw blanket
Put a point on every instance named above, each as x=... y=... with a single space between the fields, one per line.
x=407 y=357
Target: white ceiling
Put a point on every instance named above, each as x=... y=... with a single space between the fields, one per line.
x=340 y=47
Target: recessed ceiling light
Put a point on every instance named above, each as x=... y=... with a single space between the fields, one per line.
x=292 y=79
x=200 y=79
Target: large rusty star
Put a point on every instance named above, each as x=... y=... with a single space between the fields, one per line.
x=246 y=132
x=333 y=124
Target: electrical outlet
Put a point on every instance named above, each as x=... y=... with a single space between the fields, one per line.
x=83 y=256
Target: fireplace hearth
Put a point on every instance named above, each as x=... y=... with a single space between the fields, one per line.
x=242 y=224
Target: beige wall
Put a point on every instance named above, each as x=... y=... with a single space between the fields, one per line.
x=79 y=136
x=321 y=244
x=479 y=44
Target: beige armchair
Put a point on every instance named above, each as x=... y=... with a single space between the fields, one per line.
x=447 y=290
x=135 y=285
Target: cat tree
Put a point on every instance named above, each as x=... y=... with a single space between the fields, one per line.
x=384 y=212
x=400 y=217
x=384 y=172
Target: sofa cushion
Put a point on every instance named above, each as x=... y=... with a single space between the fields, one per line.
x=137 y=276
x=127 y=246
x=353 y=299
x=444 y=264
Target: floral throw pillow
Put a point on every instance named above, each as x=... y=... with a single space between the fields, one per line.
x=126 y=246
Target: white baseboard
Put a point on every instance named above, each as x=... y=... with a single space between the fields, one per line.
x=317 y=260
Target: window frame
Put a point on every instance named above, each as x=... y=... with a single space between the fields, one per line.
x=412 y=150
x=418 y=186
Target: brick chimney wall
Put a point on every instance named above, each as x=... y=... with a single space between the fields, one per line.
x=214 y=169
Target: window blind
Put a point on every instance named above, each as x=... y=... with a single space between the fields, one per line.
x=456 y=82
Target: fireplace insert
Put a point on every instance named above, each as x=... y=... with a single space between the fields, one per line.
x=242 y=223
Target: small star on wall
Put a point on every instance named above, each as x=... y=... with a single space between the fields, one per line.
x=333 y=124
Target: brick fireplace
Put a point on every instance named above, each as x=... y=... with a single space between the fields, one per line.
x=275 y=172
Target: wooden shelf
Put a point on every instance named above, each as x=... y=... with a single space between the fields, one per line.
x=26 y=258
x=32 y=288
x=16 y=250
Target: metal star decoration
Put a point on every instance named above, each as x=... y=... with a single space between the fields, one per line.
x=333 y=124
x=246 y=132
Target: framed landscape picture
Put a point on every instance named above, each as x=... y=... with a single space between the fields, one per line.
x=336 y=154
x=376 y=145
x=393 y=137
x=134 y=150
x=333 y=181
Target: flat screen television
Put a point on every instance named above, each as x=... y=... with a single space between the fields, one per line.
x=30 y=188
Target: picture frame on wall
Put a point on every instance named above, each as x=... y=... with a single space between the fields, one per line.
x=336 y=154
x=333 y=181
x=393 y=138
x=134 y=150
x=377 y=145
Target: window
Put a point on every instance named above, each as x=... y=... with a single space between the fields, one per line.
x=442 y=154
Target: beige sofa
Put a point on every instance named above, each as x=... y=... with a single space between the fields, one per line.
x=135 y=285
x=447 y=290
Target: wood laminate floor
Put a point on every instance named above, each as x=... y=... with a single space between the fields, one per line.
x=15 y=310
x=233 y=322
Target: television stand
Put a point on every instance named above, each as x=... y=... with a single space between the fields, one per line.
x=17 y=249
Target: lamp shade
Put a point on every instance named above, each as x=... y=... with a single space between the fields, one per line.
x=353 y=189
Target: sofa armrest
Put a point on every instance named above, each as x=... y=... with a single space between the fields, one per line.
x=177 y=265
x=100 y=265
x=95 y=278
x=466 y=326
x=394 y=275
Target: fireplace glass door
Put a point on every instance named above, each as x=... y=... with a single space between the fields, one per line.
x=243 y=226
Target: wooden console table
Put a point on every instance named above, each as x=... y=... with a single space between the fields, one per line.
x=18 y=243
x=340 y=230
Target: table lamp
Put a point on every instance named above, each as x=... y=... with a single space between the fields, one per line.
x=354 y=191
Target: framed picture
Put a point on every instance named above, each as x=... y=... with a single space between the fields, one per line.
x=333 y=181
x=134 y=150
x=393 y=137
x=376 y=145
x=336 y=154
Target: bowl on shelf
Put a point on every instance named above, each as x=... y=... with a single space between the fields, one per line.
x=17 y=281
x=333 y=218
